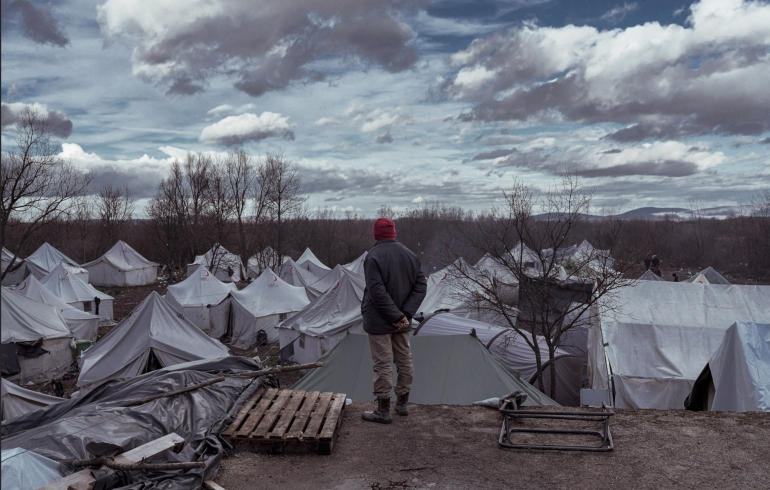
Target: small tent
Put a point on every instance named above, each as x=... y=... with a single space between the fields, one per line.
x=46 y=258
x=309 y=261
x=17 y=401
x=650 y=276
x=122 y=266
x=35 y=339
x=83 y=325
x=528 y=258
x=330 y=279
x=710 y=275
x=357 y=266
x=318 y=327
x=295 y=275
x=152 y=334
x=267 y=258
x=453 y=291
x=193 y=296
x=260 y=306
x=450 y=369
x=64 y=282
x=224 y=265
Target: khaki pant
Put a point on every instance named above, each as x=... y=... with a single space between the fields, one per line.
x=386 y=349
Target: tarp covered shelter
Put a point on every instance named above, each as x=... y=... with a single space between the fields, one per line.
x=193 y=296
x=309 y=261
x=46 y=258
x=512 y=350
x=35 y=339
x=152 y=330
x=67 y=285
x=18 y=401
x=316 y=329
x=330 y=279
x=84 y=326
x=711 y=275
x=450 y=369
x=654 y=343
x=295 y=275
x=261 y=305
x=737 y=377
x=122 y=266
x=227 y=267
x=357 y=266
x=26 y=470
x=650 y=276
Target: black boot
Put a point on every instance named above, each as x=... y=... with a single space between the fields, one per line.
x=401 y=405
x=381 y=414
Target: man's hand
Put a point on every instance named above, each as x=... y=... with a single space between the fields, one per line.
x=403 y=323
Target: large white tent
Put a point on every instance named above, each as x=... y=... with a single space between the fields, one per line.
x=316 y=329
x=122 y=266
x=27 y=324
x=83 y=325
x=654 y=342
x=357 y=266
x=64 y=282
x=46 y=258
x=330 y=279
x=453 y=289
x=309 y=261
x=267 y=258
x=711 y=277
x=650 y=276
x=152 y=330
x=18 y=401
x=193 y=296
x=227 y=267
x=295 y=275
x=264 y=303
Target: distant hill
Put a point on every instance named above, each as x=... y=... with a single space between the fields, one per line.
x=652 y=213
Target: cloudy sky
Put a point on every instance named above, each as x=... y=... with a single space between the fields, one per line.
x=652 y=103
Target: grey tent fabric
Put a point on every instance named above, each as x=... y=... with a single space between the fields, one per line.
x=121 y=265
x=357 y=266
x=19 y=270
x=712 y=276
x=224 y=265
x=295 y=275
x=46 y=258
x=330 y=279
x=17 y=401
x=309 y=261
x=193 y=296
x=650 y=276
x=65 y=283
x=26 y=470
x=451 y=369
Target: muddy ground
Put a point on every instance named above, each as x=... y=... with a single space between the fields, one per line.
x=451 y=447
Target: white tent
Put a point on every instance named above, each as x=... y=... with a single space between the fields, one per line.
x=357 y=266
x=193 y=296
x=263 y=260
x=7 y=257
x=650 y=276
x=656 y=339
x=65 y=283
x=260 y=306
x=309 y=261
x=17 y=401
x=708 y=276
x=25 y=321
x=46 y=258
x=521 y=252
x=152 y=329
x=83 y=325
x=497 y=275
x=330 y=279
x=122 y=266
x=26 y=470
x=226 y=266
x=452 y=291
x=324 y=322
x=295 y=275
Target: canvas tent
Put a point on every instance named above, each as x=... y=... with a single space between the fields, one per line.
x=330 y=279
x=357 y=266
x=654 y=344
x=152 y=332
x=46 y=258
x=18 y=271
x=711 y=276
x=309 y=261
x=17 y=401
x=122 y=266
x=316 y=329
x=521 y=252
x=295 y=275
x=454 y=292
x=260 y=306
x=225 y=266
x=193 y=296
x=35 y=339
x=84 y=326
x=650 y=276
x=267 y=258
x=64 y=282
x=453 y=370
x=513 y=351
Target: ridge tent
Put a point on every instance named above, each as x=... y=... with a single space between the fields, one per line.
x=193 y=296
x=711 y=276
x=650 y=276
x=452 y=292
x=737 y=377
x=263 y=260
x=309 y=261
x=83 y=325
x=260 y=306
x=17 y=401
x=521 y=252
x=324 y=322
x=46 y=258
x=227 y=267
x=450 y=369
x=295 y=275
x=498 y=275
x=35 y=339
x=18 y=272
x=152 y=331
x=122 y=266
x=330 y=279
x=64 y=282
x=357 y=266
x=654 y=344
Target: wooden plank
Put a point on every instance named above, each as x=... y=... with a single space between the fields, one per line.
x=338 y=403
x=81 y=479
x=288 y=415
x=256 y=415
x=295 y=431
x=272 y=415
x=210 y=485
x=243 y=412
x=316 y=418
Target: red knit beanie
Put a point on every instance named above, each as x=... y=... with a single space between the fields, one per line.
x=384 y=229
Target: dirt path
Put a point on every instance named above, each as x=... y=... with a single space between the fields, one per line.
x=456 y=447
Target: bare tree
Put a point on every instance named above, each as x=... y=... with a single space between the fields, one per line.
x=169 y=213
x=83 y=222
x=241 y=177
x=115 y=208
x=38 y=187
x=196 y=172
x=283 y=189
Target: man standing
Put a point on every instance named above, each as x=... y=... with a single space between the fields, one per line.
x=395 y=288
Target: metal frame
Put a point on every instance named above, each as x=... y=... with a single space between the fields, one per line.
x=510 y=409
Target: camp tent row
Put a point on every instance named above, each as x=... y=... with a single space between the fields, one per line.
x=121 y=265
x=193 y=296
x=40 y=263
x=64 y=282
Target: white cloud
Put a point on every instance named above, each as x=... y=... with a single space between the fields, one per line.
x=417 y=200
x=236 y=130
x=619 y=12
x=326 y=121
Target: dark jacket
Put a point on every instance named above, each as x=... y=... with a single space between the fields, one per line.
x=395 y=286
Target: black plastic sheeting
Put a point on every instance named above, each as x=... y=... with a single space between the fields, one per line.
x=63 y=431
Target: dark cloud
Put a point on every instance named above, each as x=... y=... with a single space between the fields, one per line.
x=765 y=141
x=58 y=122
x=334 y=199
x=143 y=182
x=612 y=151
x=384 y=138
x=36 y=23
x=670 y=168
x=491 y=155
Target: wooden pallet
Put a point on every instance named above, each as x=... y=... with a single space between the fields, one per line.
x=275 y=419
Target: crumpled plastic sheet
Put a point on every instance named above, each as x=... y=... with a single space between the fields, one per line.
x=62 y=431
